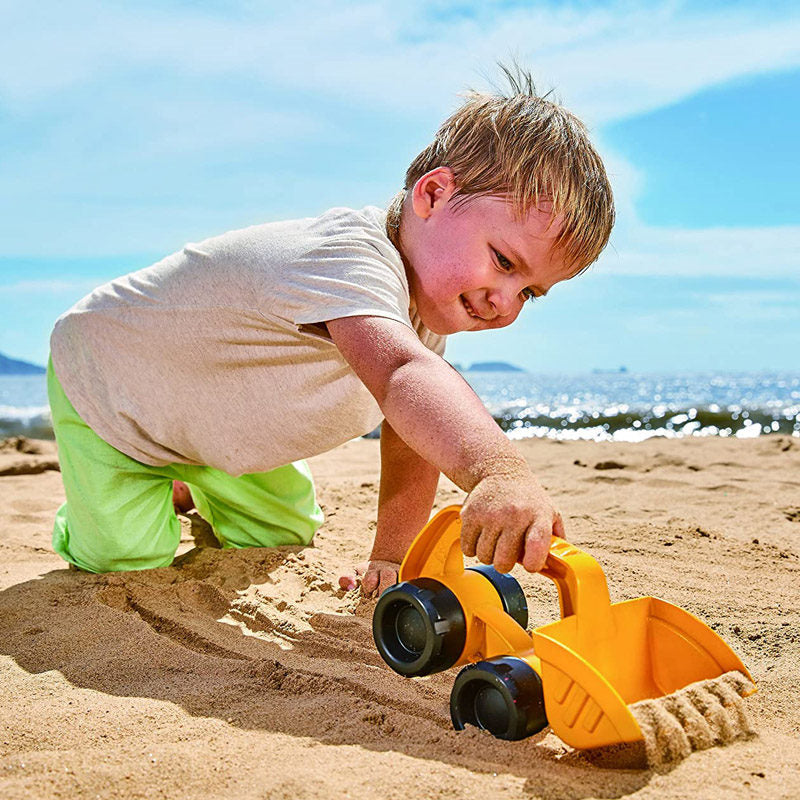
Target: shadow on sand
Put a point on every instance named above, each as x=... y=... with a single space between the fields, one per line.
x=161 y=634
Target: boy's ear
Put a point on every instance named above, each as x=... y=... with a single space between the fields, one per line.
x=433 y=191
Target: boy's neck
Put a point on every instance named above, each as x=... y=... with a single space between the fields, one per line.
x=396 y=216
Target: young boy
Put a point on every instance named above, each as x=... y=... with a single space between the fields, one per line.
x=224 y=365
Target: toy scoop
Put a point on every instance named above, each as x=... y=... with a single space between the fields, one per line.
x=578 y=674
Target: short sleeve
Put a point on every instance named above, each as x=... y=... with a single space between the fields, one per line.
x=346 y=277
x=341 y=264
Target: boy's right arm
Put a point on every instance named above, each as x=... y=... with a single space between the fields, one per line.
x=507 y=516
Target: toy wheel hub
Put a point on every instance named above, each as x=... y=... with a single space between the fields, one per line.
x=491 y=711
x=419 y=627
x=502 y=695
x=411 y=630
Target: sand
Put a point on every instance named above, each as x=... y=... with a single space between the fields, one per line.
x=249 y=674
x=696 y=717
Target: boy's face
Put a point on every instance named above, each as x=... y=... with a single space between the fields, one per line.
x=473 y=267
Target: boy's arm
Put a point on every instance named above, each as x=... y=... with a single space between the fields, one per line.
x=408 y=488
x=507 y=516
x=405 y=499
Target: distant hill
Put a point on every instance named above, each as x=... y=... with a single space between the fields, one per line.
x=11 y=366
x=494 y=366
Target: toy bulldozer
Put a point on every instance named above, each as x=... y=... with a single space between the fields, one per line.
x=578 y=674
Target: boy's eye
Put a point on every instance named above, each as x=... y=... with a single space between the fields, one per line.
x=505 y=264
x=503 y=261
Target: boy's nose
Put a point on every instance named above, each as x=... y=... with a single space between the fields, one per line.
x=502 y=301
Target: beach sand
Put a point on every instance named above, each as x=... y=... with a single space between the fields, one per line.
x=248 y=674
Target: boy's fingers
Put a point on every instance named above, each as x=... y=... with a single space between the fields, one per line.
x=351 y=581
x=369 y=583
x=486 y=544
x=388 y=578
x=537 y=545
x=507 y=551
x=558 y=526
x=469 y=536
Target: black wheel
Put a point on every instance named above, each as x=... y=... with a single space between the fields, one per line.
x=511 y=594
x=501 y=695
x=419 y=627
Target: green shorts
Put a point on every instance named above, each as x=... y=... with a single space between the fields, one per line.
x=118 y=513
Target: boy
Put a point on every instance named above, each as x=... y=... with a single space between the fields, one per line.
x=225 y=364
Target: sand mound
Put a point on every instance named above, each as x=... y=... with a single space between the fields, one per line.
x=701 y=715
x=22 y=456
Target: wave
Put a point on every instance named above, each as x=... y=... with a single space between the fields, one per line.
x=611 y=424
x=623 y=424
x=32 y=421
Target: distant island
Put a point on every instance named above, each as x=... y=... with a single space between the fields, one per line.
x=618 y=371
x=494 y=366
x=12 y=366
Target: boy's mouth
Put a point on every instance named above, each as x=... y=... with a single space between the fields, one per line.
x=469 y=309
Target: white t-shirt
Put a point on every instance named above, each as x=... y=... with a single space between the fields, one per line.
x=212 y=356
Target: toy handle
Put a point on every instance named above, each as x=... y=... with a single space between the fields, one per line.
x=437 y=548
x=582 y=588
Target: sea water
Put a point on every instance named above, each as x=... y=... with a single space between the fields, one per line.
x=597 y=406
x=635 y=406
x=23 y=406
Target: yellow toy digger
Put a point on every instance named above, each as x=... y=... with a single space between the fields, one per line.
x=578 y=674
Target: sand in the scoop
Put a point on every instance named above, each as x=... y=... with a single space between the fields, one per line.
x=698 y=716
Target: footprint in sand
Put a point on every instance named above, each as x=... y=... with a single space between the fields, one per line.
x=792 y=513
x=610 y=465
x=223 y=603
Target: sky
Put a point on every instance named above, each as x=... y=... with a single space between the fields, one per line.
x=128 y=129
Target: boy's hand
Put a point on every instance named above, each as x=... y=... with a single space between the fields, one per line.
x=374 y=576
x=509 y=519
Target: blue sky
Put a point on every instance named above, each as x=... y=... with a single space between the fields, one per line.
x=127 y=129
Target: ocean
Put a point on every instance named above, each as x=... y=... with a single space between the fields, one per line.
x=595 y=406
x=630 y=407
x=23 y=407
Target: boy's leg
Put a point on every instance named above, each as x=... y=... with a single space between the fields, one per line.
x=118 y=514
x=262 y=509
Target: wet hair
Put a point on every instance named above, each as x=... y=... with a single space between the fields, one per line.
x=522 y=146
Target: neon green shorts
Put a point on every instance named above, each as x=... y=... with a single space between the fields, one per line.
x=118 y=513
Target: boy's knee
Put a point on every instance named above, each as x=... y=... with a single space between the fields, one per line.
x=91 y=549
x=100 y=564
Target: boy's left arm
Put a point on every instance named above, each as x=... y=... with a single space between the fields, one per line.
x=407 y=491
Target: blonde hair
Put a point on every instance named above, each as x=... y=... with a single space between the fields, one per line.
x=528 y=149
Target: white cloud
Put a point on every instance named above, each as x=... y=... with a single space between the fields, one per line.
x=608 y=62
x=639 y=249
x=66 y=61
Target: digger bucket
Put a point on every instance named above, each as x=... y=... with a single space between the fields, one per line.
x=594 y=662
x=602 y=657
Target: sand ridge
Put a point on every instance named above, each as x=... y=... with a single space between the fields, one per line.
x=249 y=673
x=699 y=716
